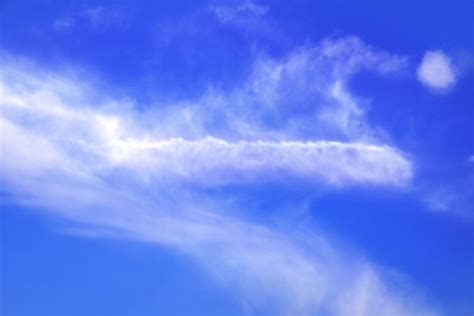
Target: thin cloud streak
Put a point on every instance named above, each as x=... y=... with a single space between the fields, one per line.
x=216 y=161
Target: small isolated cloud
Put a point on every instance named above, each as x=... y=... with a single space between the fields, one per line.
x=441 y=199
x=229 y=14
x=64 y=23
x=453 y=198
x=248 y=15
x=436 y=71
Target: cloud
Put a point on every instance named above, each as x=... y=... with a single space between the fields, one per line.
x=112 y=169
x=239 y=13
x=97 y=17
x=101 y=16
x=64 y=23
x=270 y=269
x=436 y=71
x=441 y=199
x=453 y=196
x=248 y=17
x=277 y=123
x=302 y=96
x=216 y=161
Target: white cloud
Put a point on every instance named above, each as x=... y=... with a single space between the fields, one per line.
x=436 y=71
x=100 y=16
x=239 y=13
x=64 y=23
x=113 y=139
x=351 y=55
x=301 y=96
x=216 y=161
x=276 y=123
x=453 y=197
x=287 y=274
x=97 y=162
x=442 y=199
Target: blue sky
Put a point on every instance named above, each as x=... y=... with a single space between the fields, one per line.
x=229 y=158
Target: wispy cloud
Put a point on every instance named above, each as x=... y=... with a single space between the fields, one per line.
x=302 y=96
x=247 y=16
x=64 y=23
x=101 y=163
x=96 y=17
x=103 y=16
x=454 y=197
x=437 y=71
x=239 y=13
x=216 y=161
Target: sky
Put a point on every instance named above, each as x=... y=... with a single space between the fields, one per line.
x=237 y=158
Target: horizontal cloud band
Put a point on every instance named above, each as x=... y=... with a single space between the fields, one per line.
x=215 y=160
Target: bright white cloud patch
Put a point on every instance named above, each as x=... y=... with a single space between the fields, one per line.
x=436 y=70
x=216 y=161
x=95 y=161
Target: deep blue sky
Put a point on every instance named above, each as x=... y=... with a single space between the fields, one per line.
x=156 y=53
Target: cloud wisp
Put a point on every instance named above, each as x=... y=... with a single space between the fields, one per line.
x=239 y=14
x=216 y=161
x=100 y=163
x=96 y=17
